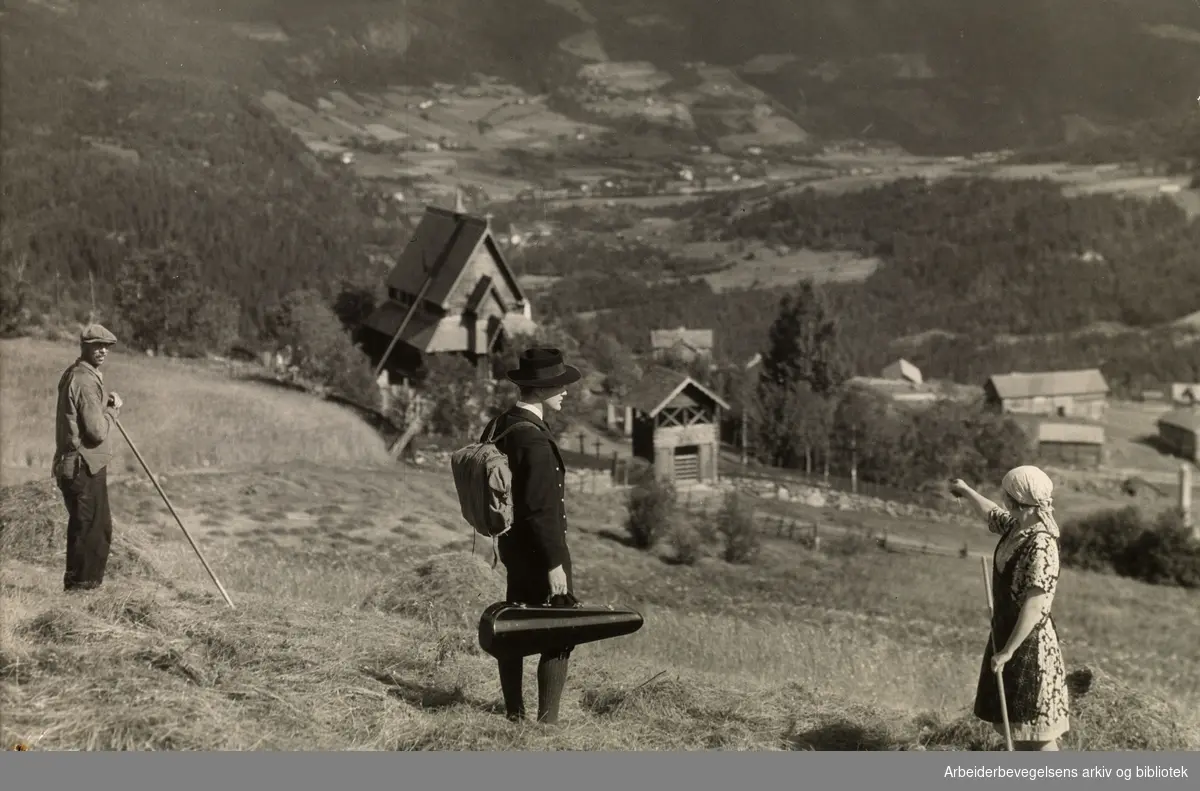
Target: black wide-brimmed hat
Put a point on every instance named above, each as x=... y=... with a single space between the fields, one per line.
x=542 y=367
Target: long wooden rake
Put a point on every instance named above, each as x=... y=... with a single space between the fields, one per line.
x=987 y=586
x=178 y=521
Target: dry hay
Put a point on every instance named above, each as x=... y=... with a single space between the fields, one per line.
x=448 y=589
x=706 y=714
x=1106 y=715
x=144 y=668
x=33 y=529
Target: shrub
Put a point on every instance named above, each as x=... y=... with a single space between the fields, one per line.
x=650 y=508
x=851 y=543
x=1098 y=541
x=686 y=540
x=1164 y=554
x=1121 y=542
x=324 y=351
x=735 y=525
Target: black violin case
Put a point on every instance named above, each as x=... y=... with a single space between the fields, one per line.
x=507 y=629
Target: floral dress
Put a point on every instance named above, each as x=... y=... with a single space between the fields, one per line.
x=1035 y=679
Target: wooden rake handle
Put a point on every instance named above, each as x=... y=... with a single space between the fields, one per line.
x=171 y=508
x=987 y=587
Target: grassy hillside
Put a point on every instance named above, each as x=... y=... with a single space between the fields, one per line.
x=181 y=418
x=354 y=630
x=357 y=596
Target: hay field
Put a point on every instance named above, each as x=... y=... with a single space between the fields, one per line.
x=357 y=596
x=769 y=268
x=179 y=415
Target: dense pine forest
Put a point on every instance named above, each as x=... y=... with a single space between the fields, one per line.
x=98 y=169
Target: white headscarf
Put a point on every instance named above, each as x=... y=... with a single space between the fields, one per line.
x=1029 y=486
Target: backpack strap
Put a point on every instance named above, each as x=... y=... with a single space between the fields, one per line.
x=492 y=438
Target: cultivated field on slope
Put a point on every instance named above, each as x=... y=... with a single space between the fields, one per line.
x=357 y=597
x=180 y=415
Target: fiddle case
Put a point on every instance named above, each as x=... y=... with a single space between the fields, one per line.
x=508 y=629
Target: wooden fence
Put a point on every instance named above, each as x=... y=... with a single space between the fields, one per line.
x=811 y=533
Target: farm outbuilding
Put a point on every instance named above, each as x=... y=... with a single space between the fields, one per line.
x=1179 y=431
x=675 y=426
x=681 y=344
x=1079 y=393
x=902 y=370
x=451 y=292
x=1185 y=393
x=1078 y=443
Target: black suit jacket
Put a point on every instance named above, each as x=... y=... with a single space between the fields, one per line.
x=538 y=539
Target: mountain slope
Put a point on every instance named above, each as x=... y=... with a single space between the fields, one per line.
x=978 y=275
x=128 y=125
x=933 y=75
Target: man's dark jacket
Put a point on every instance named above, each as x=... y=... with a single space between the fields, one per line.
x=539 y=532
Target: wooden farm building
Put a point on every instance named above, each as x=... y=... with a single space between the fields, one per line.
x=675 y=425
x=1082 y=393
x=681 y=344
x=1075 y=443
x=904 y=371
x=451 y=292
x=1179 y=431
x=1185 y=393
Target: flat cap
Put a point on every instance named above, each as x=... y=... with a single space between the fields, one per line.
x=96 y=333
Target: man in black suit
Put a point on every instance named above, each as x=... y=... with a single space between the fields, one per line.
x=534 y=552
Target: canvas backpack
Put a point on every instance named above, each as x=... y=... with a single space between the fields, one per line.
x=484 y=483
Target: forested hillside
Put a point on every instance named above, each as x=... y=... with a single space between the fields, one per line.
x=1170 y=143
x=105 y=155
x=967 y=263
x=934 y=76
x=132 y=127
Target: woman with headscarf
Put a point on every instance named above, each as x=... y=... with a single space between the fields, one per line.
x=1026 y=651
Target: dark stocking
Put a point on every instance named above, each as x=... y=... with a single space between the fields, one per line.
x=552 y=677
x=511 y=670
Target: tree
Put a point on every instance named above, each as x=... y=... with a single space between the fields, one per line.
x=353 y=305
x=458 y=396
x=609 y=356
x=163 y=306
x=871 y=436
x=322 y=349
x=803 y=343
x=789 y=422
x=15 y=291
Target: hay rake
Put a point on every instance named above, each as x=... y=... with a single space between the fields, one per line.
x=171 y=508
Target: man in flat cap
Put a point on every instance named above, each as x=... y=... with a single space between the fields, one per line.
x=83 y=432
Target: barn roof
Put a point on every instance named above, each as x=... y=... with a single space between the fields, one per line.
x=443 y=245
x=659 y=385
x=1186 y=418
x=1049 y=383
x=424 y=332
x=1070 y=431
x=905 y=368
x=698 y=340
